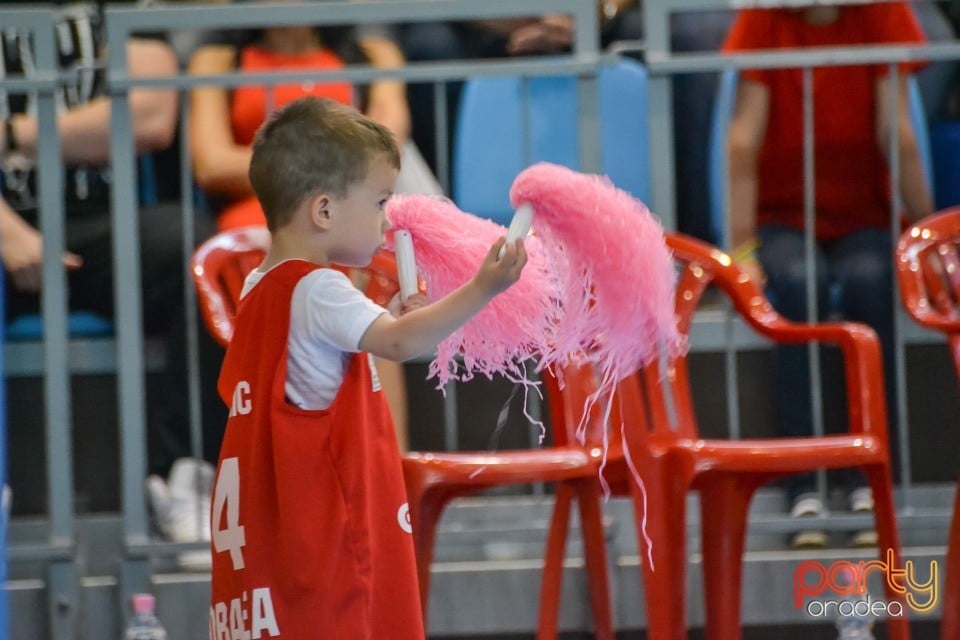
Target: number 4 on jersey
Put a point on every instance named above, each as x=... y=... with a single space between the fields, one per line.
x=227 y=494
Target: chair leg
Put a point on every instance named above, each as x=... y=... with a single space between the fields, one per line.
x=664 y=583
x=551 y=580
x=425 y=512
x=595 y=554
x=885 y=512
x=724 y=503
x=950 y=619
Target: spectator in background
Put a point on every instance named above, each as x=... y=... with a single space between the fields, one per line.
x=222 y=125
x=83 y=123
x=853 y=240
x=544 y=35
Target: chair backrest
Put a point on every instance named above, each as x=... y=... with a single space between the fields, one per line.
x=507 y=124
x=928 y=268
x=723 y=106
x=659 y=396
x=221 y=264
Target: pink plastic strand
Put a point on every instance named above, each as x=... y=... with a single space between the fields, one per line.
x=607 y=256
x=617 y=283
x=450 y=246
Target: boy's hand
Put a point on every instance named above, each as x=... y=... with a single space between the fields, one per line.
x=497 y=274
x=416 y=301
x=398 y=308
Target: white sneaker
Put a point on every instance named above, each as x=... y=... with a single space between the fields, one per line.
x=808 y=505
x=861 y=501
x=181 y=507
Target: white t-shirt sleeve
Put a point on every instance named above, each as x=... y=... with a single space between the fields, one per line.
x=328 y=316
x=333 y=310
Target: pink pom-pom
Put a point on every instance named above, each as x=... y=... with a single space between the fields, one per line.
x=608 y=258
x=450 y=246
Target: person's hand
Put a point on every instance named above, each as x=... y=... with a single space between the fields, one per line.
x=398 y=307
x=552 y=34
x=496 y=274
x=416 y=301
x=754 y=271
x=22 y=251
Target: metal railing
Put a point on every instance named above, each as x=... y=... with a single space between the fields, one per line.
x=583 y=61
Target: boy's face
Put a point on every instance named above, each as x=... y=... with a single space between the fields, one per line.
x=358 y=220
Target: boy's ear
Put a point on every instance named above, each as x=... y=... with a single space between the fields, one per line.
x=320 y=211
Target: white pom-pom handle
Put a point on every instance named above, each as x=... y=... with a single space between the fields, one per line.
x=406 y=263
x=519 y=226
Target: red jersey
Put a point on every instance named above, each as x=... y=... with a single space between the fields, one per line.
x=852 y=183
x=311 y=535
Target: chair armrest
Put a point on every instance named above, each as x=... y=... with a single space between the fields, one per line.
x=858 y=342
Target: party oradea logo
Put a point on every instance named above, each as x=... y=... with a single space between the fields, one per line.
x=840 y=588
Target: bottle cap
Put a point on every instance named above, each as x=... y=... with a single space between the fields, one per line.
x=143 y=602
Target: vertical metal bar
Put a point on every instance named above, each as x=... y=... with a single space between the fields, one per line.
x=442 y=140
x=191 y=326
x=63 y=588
x=534 y=408
x=900 y=422
x=662 y=178
x=588 y=99
x=810 y=240
x=451 y=426
x=189 y=294
x=526 y=148
x=128 y=317
x=586 y=36
x=732 y=375
x=587 y=42
x=4 y=493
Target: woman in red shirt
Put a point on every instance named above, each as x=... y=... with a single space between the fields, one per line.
x=852 y=126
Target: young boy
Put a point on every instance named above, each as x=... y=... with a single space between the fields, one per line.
x=311 y=537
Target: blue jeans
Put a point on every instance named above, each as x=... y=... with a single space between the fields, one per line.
x=858 y=266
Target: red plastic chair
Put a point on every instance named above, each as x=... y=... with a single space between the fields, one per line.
x=219 y=267
x=928 y=268
x=434 y=479
x=672 y=459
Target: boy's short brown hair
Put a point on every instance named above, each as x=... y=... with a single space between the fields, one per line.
x=310 y=146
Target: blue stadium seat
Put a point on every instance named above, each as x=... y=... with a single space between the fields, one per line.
x=945 y=149
x=80 y=324
x=507 y=124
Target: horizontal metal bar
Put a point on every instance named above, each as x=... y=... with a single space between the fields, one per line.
x=708 y=333
x=163 y=549
x=258 y=15
x=582 y=65
x=847 y=522
x=86 y=356
x=704 y=5
x=661 y=63
x=42 y=81
x=25 y=18
x=30 y=552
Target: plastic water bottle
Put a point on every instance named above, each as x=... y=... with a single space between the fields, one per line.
x=854 y=627
x=144 y=624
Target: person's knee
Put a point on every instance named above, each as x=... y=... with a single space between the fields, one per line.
x=867 y=288
x=787 y=289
